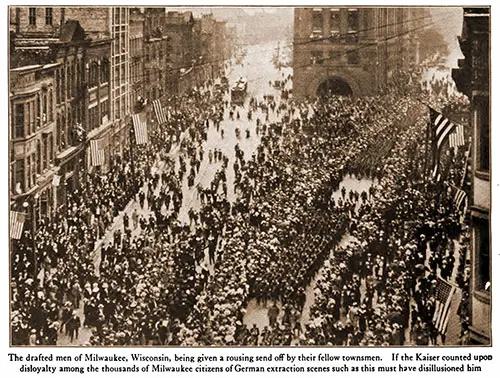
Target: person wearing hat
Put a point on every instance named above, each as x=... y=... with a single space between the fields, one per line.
x=73 y=326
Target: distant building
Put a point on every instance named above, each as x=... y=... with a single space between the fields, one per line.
x=352 y=50
x=180 y=30
x=473 y=79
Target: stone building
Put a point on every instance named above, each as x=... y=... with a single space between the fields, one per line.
x=473 y=79
x=352 y=50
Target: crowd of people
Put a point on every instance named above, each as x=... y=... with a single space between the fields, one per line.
x=165 y=281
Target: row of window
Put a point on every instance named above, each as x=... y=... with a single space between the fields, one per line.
x=29 y=115
x=26 y=169
x=334 y=20
x=97 y=115
x=98 y=73
x=48 y=16
x=317 y=57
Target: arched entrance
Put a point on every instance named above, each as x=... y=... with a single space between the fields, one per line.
x=334 y=86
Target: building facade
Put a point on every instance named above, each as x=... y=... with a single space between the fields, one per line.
x=180 y=30
x=473 y=79
x=32 y=138
x=352 y=50
x=156 y=53
x=136 y=44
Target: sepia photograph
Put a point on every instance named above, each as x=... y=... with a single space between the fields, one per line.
x=258 y=176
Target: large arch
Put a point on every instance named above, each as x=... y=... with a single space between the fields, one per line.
x=358 y=80
x=334 y=85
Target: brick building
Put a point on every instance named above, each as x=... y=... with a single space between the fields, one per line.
x=352 y=50
x=473 y=79
x=179 y=27
x=155 y=54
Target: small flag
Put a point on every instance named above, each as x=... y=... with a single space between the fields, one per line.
x=444 y=293
x=16 y=224
x=160 y=112
x=457 y=137
x=459 y=197
x=140 y=129
x=96 y=152
x=56 y=180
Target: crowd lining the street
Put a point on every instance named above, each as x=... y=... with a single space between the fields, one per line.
x=289 y=218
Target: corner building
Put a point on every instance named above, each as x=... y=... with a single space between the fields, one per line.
x=473 y=79
x=353 y=51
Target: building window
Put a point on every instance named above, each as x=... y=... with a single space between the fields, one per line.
x=104 y=71
x=335 y=21
x=117 y=108
x=28 y=169
x=353 y=57
x=48 y=16
x=32 y=16
x=19 y=121
x=20 y=180
x=58 y=132
x=45 y=153
x=51 y=105
x=58 y=87
x=482 y=115
x=316 y=57
x=317 y=20
x=44 y=105
x=38 y=157
x=352 y=20
x=33 y=169
x=104 y=111
x=482 y=265
x=38 y=111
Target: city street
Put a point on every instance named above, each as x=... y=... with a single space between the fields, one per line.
x=259 y=70
x=245 y=177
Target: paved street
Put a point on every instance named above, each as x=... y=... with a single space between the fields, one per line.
x=258 y=69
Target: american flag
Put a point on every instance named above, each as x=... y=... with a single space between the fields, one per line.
x=161 y=115
x=444 y=293
x=441 y=128
x=459 y=197
x=16 y=224
x=457 y=137
x=140 y=129
x=96 y=152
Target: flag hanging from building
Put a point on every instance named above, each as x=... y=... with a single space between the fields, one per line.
x=441 y=127
x=140 y=129
x=161 y=115
x=96 y=152
x=444 y=293
x=16 y=224
x=459 y=197
x=457 y=137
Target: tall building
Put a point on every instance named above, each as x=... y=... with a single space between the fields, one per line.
x=352 y=50
x=473 y=79
x=180 y=30
x=113 y=23
x=136 y=61
x=155 y=54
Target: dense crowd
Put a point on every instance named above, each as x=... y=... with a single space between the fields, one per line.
x=289 y=218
